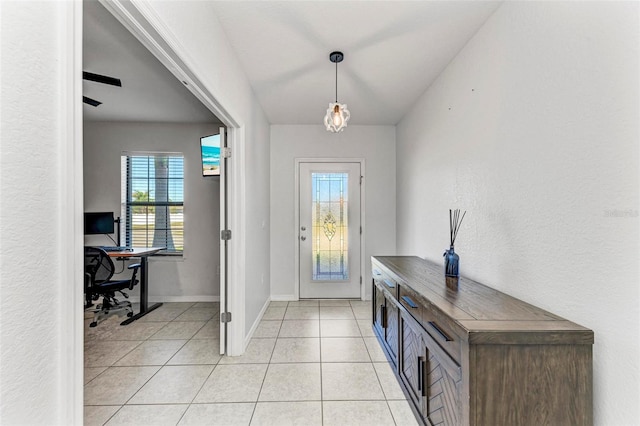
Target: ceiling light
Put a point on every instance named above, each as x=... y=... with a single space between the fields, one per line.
x=337 y=114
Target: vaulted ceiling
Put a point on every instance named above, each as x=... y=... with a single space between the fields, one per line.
x=393 y=51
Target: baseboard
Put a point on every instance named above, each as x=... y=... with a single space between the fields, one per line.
x=163 y=299
x=284 y=297
x=247 y=339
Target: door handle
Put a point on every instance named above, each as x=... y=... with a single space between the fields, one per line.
x=303 y=238
x=303 y=228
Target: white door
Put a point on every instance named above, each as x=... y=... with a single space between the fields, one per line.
x=329 y=230
x=224 y=225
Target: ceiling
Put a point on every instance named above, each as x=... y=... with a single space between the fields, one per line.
x=149 y=91
x=393 y=51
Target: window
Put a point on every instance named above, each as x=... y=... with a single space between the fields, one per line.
x=153 y=200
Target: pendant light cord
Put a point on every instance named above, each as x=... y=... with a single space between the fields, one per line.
x=336 y=81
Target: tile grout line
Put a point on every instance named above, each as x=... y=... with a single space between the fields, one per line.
x=210 y=373
x=161 y=367
x=141 y=342
x=386 y=400
x=255 y=406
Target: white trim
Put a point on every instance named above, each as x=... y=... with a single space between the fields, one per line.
x=170 y=299
x=237 y=256
x=284 y=298
x=296 y=253
x=70 y=232
x=256 y=323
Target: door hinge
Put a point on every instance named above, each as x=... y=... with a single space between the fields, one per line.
x=226 y=152
x=360 y=279
x=225 y=317
x=225 y=234
x=361 y=177
x=361 y=230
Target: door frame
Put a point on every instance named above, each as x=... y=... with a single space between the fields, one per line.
x=143 y=23
x=296 y=225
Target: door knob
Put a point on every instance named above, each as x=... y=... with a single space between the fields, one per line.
x=303 y=238
x=303 y=228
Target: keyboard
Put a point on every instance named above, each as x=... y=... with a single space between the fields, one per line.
x=113 y=248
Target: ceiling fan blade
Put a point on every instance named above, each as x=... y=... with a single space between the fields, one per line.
x=101 y=79
x=90 y=101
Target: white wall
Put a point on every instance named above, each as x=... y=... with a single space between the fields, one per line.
x=533 y=130
x=257 y=227
x=37 y=245
x=376 y=144
x=194 y=276
x=197 y=35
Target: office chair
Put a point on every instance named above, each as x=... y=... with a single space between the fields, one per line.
x=98 y=270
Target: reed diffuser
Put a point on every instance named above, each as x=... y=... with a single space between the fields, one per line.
x=451 y=259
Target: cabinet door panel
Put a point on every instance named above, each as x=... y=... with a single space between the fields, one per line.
x=379 y=308
x=391 y=336
x=413 y=351
x=442 y=393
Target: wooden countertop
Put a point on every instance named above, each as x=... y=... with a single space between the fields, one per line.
x=483 y=314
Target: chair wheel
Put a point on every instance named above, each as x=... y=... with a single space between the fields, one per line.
x=129 y=314
x=93 y=324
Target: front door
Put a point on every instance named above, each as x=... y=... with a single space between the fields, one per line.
x=329 y=230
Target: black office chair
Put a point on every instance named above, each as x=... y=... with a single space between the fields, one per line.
x=99 y=269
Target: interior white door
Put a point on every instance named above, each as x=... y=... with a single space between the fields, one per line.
x=224 y=166
x=329 y=230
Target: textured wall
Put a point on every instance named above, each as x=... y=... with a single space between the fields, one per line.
x=533 y=129
x=30 y=213
x=376 y=144
x=195 y=275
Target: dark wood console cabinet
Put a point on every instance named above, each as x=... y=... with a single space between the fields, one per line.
x=477 y=356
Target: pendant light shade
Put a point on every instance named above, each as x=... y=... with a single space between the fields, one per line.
x=337 y=117
x=337 y=114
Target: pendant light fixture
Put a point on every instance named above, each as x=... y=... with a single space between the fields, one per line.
x=337 y=114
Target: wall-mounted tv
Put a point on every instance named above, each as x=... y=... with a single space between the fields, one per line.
x=98 y=223
x=210 y=150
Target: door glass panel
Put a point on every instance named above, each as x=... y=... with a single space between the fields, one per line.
x=329 y=209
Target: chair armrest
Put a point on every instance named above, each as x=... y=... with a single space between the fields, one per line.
x=134 y=281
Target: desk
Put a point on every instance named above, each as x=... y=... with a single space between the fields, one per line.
x=142 y=253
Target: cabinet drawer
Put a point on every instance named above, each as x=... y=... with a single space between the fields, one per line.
x=441 y=333
x=390 y=286
x=386 y=283
x=410 y=302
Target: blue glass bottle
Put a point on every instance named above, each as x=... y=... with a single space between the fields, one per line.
x=451 y=261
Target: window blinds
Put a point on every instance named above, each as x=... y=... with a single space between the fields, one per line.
x=153 y=200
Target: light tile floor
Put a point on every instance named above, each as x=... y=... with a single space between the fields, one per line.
x=309 y=363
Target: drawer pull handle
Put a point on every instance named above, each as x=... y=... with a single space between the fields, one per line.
x=376 y=272
x=383 y=311
x=409 y=302
x=421 y=386
x=444 y=335
x=389 y=284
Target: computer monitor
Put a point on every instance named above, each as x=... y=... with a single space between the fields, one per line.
x=98 y=223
